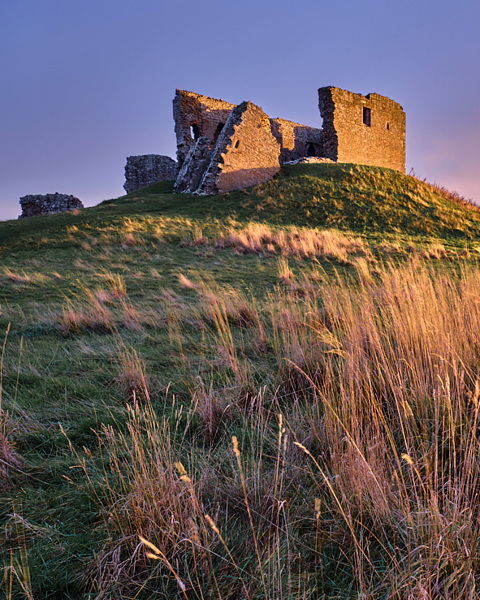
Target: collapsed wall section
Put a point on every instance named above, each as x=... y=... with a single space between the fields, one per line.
x=146 y=169
x=48 y=204
x=197 y=116
x=360 y=129
x=296 y=141
x=246 y=152
x=194 y=167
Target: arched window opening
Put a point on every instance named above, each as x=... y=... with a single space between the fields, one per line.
x=237 y=143
x=311 y=150
x=195 y=131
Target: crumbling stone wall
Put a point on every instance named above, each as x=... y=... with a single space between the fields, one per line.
x=194 y=166
x=296 y=140
x=146 y=169
x=246 y=152
x=367 y=130
x=197 y=116
x=48 y=204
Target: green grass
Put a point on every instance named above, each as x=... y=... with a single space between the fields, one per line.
x=217 y=315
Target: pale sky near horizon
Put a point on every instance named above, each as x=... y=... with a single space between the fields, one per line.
x=86 y=84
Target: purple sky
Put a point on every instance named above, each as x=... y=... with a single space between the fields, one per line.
x=86 y=83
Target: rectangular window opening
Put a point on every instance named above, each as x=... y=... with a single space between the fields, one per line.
x=367 y=116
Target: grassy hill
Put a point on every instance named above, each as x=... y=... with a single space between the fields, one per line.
x=276 y=388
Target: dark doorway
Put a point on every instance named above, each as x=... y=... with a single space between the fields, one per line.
x=311 y=150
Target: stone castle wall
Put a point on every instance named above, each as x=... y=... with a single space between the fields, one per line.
x=197 y=116
x=194 y=166
x=296 y=140
x=246 y=152
x=48 y=204
x=368 y=130
x=146 y=169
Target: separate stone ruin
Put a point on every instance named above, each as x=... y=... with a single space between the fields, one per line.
x=146 y=169
x=222 y=147
x=48 y=204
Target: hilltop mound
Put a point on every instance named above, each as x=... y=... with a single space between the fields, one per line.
x=371 y=200
x=350 y=197
x=344 y=196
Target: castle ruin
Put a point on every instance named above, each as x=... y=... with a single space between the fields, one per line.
x=223 y=147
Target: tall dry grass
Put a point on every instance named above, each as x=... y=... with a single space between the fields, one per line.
x=300 y=242
x=358 y=475
x=393 y=370
x=10 y=459
x=144 y=493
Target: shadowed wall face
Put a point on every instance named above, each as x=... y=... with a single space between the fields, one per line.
x=197 y=116
x=146 y=169
x=194 y=166
x=48 y=204
x=367 y=130
x=296 y=140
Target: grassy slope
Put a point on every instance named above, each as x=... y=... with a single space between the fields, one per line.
x=74 y=377
x=347 y=197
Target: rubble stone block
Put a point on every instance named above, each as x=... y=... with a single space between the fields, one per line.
x=48 y=204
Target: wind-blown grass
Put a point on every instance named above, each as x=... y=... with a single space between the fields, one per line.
x=155 y=330
x=358 y=468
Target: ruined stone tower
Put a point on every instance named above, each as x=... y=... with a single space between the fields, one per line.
x=368 y=130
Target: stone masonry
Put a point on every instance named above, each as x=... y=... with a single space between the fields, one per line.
x=197 y=116
x=368 y=130
x=213 y=158
x=194 y=166
x=205 y=146
x=296 y=140
x=146 y=169
x=246 y=152
x=48 y=204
